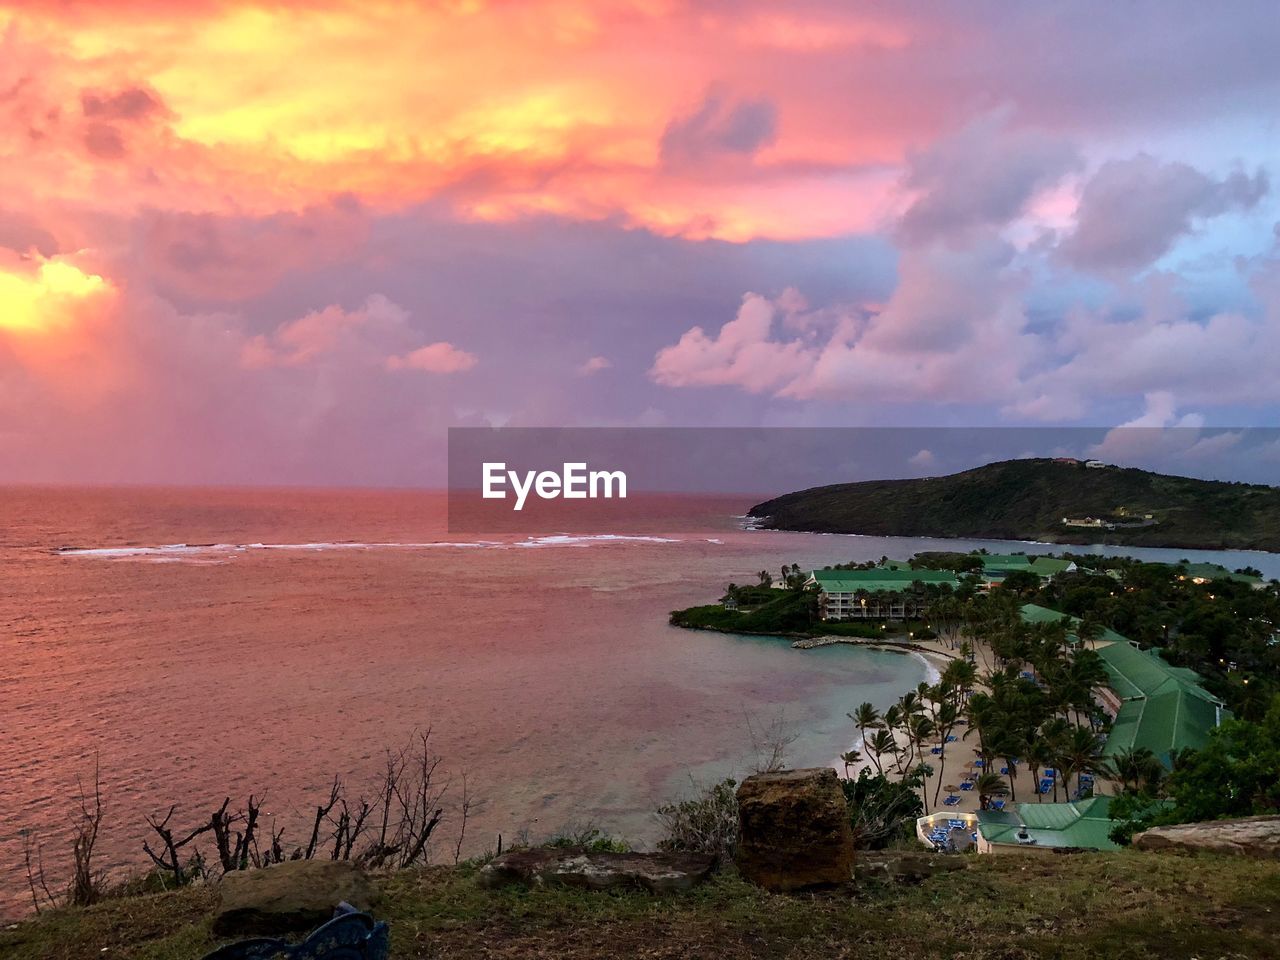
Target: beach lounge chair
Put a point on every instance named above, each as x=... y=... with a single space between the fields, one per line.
x=997 y=804
x=935 y=750
x=979 y=762
x=952 y=738
x=967 y=785
x=951 y=800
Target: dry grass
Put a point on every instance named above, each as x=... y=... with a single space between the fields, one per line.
x=1125 y=905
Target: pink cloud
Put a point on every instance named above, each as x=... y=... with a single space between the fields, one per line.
x=439 y=357
x=376 y=334
x=741 y=354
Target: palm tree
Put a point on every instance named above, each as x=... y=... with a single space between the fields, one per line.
x=1011 y=748
x=850 y=759
x=1078 y=755
x=944 y=722
x=864 y=718
x=961 y=676
x=882 y=742
x=1039 y=756
x=919 y=729
x=988 y=784
x=1136 y=770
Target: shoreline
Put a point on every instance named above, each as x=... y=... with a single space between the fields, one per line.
x=960 y=755
x=989 y=538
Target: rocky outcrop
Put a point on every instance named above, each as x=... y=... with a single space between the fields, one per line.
x=794 y=830
x=296 y=895
x=1256 y=837
x=655 y=872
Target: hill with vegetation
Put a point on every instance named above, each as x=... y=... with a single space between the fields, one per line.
x=1029 y=500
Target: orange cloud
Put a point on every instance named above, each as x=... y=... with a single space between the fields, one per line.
x=503 y=110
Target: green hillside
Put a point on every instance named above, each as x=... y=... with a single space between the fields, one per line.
x=1028 y=500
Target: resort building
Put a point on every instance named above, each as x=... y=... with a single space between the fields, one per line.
x=1009 y=562
x=1155 y=704
x=997 y=566
x=1044 y=827
x=1034 y=613
x=876 y=594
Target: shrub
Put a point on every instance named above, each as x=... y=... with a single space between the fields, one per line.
x=705 y=823
x=590 y=839
x=881 y=809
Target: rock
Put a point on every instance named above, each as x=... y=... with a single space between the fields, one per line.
x=296 y=895
x=905 y=867
x=1256 y=837
x=794 y=830
x=571 y=867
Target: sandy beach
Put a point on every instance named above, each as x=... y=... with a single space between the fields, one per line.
x=959 y=759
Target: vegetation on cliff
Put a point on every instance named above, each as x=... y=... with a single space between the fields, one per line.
x=1028 y=500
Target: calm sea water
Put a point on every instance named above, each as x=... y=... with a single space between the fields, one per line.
x=312 y=629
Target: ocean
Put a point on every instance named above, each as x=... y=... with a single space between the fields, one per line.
x=204 y=643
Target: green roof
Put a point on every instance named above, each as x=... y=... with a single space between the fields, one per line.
x=1009 y=562
x=879 y=579
x=1085 y=823
x=1164 y=710
x=1215 y=571
x=1048 y=566
x=1005 y=561
x=1034 y=613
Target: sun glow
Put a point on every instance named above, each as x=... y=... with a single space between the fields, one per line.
x=41 y=300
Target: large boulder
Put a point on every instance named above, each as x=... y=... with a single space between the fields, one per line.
x=296 y=895
x=1257 y=837
x=794 y=830
x=572 y=867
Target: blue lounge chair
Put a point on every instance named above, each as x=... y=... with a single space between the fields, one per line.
x=951 y=800
x=967 y=785
x=1050 y=772
x=997 y=804
x=935 y=750
x=952 y=738
x=979 y=763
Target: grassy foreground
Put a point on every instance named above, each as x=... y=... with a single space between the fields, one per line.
x=1081 y=906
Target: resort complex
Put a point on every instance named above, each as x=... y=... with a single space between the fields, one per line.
x=894 y=590
x=1035 y=722
x=1150 y=705
x=882 y=593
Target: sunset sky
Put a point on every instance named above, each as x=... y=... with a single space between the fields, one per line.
x=293 y=242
